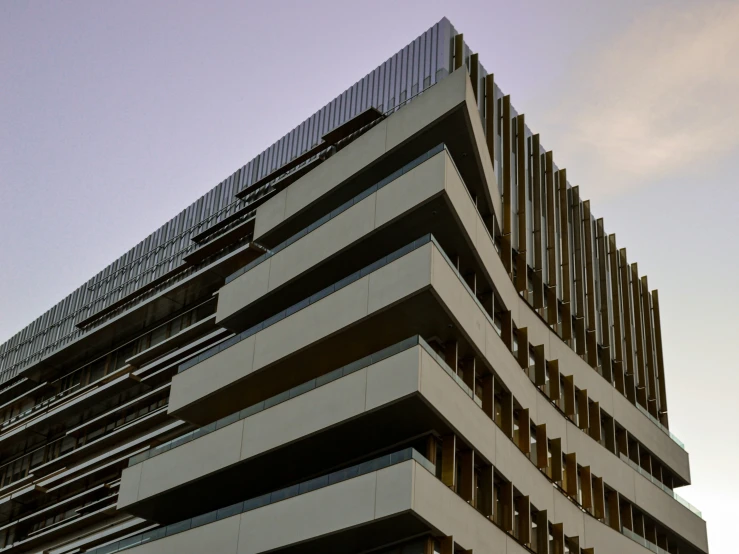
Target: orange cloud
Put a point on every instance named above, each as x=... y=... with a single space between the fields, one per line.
x=658 y=99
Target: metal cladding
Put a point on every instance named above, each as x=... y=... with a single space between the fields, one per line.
x=416 y=67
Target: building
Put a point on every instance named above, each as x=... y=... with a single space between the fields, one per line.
x=398 y=329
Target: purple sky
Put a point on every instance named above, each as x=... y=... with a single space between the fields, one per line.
x=114 y=117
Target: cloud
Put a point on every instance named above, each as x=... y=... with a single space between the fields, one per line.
x=658 y=99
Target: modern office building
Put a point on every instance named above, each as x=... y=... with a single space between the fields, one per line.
x=399 y=329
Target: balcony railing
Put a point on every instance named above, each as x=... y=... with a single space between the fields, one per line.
x=346 y=281
x=644 y=542
x=343 y=371
x=269 y=498
x=341 y=209
x=38 y=407
x=636 y=467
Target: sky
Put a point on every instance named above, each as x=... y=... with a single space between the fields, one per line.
x=116 y=116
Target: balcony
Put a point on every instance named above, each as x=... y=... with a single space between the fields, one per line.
x=347 y=414
x=636 y=467
x=268 y=499
x=337 y=211
x=382 y=218
x=343 y=511
x=302 y=389
x=213 y=385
